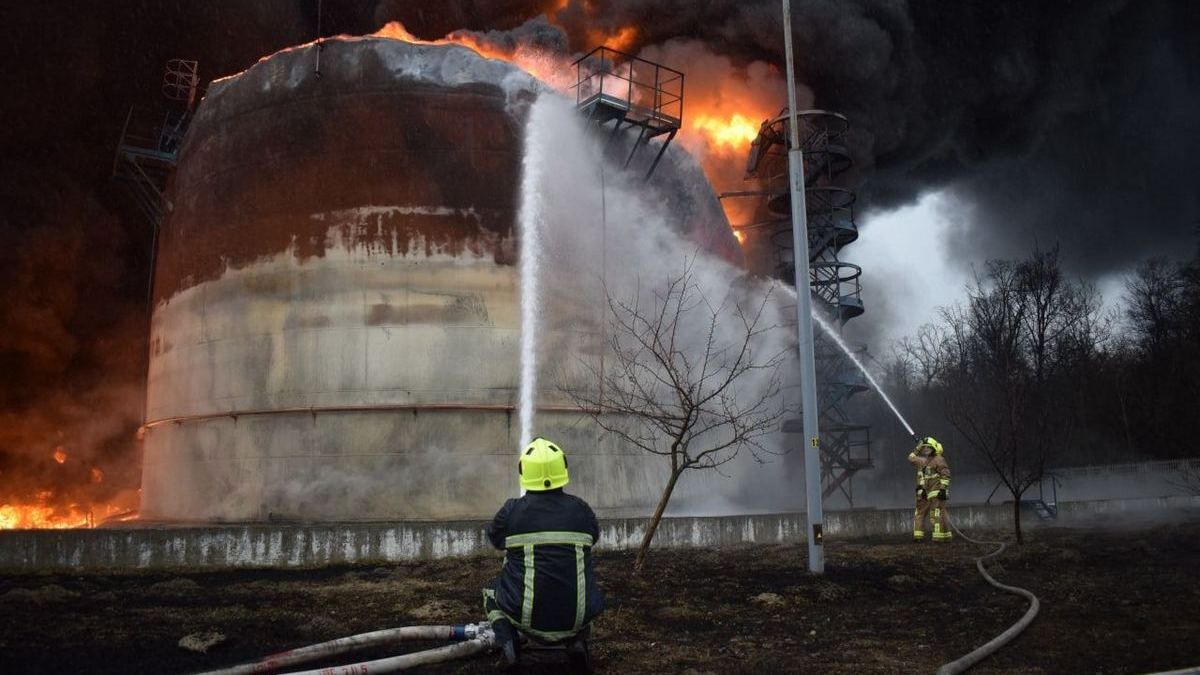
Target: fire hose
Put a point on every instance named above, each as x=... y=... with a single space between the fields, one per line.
x=963 y=663
x=473 y=639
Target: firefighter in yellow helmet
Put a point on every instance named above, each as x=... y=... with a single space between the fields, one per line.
x=933 y=489
x=546 y=591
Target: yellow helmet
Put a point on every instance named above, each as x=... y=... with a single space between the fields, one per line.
x=543 y=466
x=933 y=444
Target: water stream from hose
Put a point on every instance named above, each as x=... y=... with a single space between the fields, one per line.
x=837 y=339
x=529 y=224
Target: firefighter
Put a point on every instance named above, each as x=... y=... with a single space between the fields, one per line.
x=933 y=489
x=546 y=590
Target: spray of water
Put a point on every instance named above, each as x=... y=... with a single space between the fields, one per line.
x=529 y=223
x=833 y=335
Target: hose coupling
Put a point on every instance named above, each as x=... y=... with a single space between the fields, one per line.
x=474 y=630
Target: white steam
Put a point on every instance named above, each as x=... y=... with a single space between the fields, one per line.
x=608 y=233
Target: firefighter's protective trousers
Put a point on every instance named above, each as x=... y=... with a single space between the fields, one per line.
x=547 y=588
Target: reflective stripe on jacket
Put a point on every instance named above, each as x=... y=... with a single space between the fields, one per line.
x=933 y=473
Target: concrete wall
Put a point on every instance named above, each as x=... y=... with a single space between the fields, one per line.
x=890 y=487
x=288 y=545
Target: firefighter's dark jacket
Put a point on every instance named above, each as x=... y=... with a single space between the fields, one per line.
x=547 y=587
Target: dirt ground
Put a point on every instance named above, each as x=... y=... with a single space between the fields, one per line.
x=1112 y=602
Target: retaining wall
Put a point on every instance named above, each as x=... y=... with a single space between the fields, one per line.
x=309 y=545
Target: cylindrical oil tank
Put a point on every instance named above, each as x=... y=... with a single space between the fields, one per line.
x=335 y=333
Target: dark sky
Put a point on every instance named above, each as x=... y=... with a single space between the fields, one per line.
x=1069 y=121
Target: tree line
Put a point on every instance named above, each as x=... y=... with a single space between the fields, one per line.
x=1032 y=371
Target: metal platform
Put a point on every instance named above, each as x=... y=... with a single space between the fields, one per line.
x=630 y=92
x=150 y=141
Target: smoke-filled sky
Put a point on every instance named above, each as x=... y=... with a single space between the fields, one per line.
x=1037 y=122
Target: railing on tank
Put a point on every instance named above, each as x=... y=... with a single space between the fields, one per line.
x=611 y=85
x=150 y=140
x=605 y=77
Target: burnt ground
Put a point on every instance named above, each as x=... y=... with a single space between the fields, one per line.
x=1112 y=602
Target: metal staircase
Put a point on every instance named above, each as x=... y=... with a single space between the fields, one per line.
x=834 y=283
x=150 y=141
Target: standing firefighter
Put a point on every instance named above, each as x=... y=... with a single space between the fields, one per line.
x=547 y=590
x=933 y=489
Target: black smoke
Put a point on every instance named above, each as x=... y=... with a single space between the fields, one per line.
x=1072 y=122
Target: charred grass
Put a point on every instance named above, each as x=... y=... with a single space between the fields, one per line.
x=1112 y=602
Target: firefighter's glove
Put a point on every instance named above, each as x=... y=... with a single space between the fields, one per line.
x=945 y=494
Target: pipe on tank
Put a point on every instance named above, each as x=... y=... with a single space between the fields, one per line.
x=398 y=407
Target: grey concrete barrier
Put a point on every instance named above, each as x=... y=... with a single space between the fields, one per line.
x=287 y=545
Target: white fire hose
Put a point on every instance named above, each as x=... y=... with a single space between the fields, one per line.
x=965 y=662
x=406 y=661
x=474 y=638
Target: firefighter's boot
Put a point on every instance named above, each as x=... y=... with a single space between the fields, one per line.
x=508 y=642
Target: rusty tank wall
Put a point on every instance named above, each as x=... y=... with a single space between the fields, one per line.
x=335 y=332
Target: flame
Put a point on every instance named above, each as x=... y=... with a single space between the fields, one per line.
x=59 y=455
x=736 y=133
x=42 y=516
x=621 y=39
x=740 y=236
x=46 y=510
x=549 y=68
x=396 y=31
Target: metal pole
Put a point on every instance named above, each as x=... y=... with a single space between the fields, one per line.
x=804 y=323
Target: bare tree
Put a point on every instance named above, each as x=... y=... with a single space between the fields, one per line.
x=1154 y=295
x=926 y=352
x=1034 y=365
x=690 y=380
x=1019 y=343
x=986 y=397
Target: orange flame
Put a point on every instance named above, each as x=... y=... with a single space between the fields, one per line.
x=42 y=516
x=621 y=39
x=546 y=67
x=59 y=455
x=735 y=133
x=42 y=513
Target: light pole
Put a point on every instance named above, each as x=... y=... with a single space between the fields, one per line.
x=804 y=323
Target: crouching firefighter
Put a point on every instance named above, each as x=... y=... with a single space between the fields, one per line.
x=933 y=489
x=546 y=591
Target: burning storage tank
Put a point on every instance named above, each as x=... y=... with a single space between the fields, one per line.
x=336 y=331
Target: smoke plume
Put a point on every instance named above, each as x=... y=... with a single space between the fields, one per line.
x=1070 y=122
